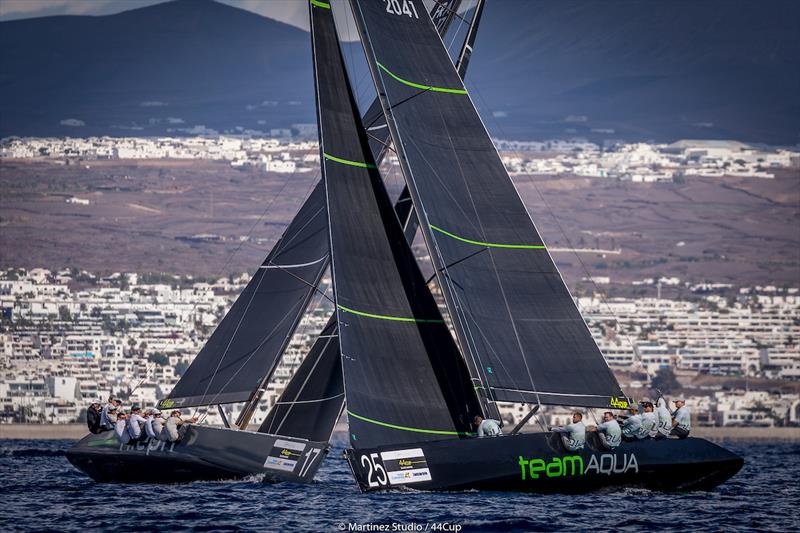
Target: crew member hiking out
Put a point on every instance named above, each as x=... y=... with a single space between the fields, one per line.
x=488 y=427
x=649 y=421
x=681 y=420
x=632 y=426
x=573 y=435
x=608 y=433
x=664 y=419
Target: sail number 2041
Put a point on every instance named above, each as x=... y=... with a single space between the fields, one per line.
x=401 y=7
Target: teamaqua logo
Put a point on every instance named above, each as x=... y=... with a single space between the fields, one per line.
x=573 y=465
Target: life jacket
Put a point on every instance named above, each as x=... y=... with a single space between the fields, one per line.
x=93 y=418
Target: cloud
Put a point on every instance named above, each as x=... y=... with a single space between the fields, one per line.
x=74 y=122
x=154 y=103
x=17 y=9
x=499 y=114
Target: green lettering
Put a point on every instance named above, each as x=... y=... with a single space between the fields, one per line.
x=572 y=460
x=522 y=464
x=558 y=471
x=539 y=467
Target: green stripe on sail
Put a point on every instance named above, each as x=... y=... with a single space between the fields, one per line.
x=404 y=428
x=388 y=317
x=320 y=4
x=489 y=244
x=419 y=86
x=348 y=162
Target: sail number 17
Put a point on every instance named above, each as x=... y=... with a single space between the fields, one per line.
x=401 y=7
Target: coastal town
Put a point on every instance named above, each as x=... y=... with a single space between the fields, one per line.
x=70 y=338
x=292 y=150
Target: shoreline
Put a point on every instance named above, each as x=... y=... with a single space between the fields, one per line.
x=721 y=434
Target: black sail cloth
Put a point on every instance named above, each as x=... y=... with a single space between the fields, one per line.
x=247 y=345
x=404 y=379
x=312 y=401
x=512 y=311
x=314 y=397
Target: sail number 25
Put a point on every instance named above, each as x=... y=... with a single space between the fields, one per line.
x=401 y=7
x=370 y=462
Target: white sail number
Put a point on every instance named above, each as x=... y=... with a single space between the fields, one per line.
x=404 y=7
x=374 y=467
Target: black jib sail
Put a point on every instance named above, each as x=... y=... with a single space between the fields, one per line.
x=404 y=378
x=512 y=312
x=312 y=401
x=244 y=349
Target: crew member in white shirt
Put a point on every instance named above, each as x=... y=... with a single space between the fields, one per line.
x=573 y=435
x=681 y=420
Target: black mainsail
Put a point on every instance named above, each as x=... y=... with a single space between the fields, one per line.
x=512 y=312
x=404 y=378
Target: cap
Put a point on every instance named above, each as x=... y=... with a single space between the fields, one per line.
x=112 y=408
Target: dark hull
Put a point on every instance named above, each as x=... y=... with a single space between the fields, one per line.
x=203 y=453
x=538 y=462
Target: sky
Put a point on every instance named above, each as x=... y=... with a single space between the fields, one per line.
x=294 y=12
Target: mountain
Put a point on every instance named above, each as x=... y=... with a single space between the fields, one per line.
x=142 y=72
x=631 y=69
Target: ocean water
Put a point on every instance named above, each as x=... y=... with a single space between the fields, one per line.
x=43 y=492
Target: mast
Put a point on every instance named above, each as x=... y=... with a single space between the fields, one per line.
x=511 y=310
x=379 y=144
x=404 y=378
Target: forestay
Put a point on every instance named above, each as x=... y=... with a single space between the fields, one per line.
x=404 y=378
x=511 y=310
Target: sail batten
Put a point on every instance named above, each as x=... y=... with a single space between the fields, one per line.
x=512 y=312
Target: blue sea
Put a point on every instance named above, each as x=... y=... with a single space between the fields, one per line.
x=42 y=492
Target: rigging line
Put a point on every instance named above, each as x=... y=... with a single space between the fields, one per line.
x=558 y=224
x=314 y=287
x=384 y=143
x=449 y=10
x=451 y=265
x=302 y=388
x=230 y=341
x=281 y=245
x=296 y=265
x=252 y=353
x=295 y=402
x=461 y=23
x=491 y=255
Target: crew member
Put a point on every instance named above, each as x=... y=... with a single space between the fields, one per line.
x=664 y=420
x=573 y=435
x=108 y=416
x=136 y=423
x=681 y=420
x=488 y=427
x=171 y=431
x=153 y=424
x=632 y=425
x=121 y=429
x=649 y=421
x=609 y=432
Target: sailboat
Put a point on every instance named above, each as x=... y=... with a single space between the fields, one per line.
x=412 y=387
x=241 y=355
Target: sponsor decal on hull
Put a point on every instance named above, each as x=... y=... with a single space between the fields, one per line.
x=406 y=466
x=574 y=465
x=284 y=455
